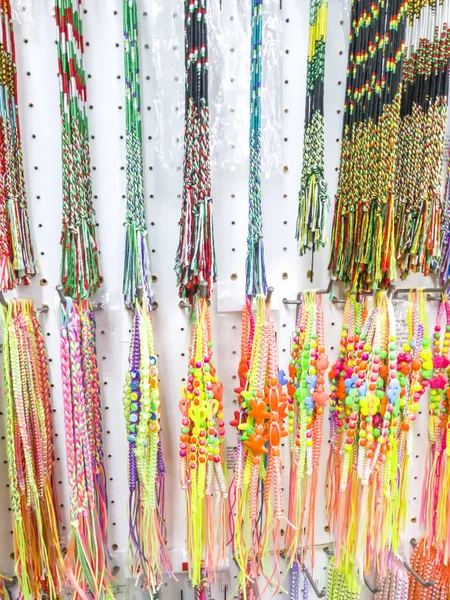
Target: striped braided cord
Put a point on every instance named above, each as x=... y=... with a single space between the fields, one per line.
x=255 y=267
x=17 y=261
x=80 y=274
x=137 y=259
x=87 y=560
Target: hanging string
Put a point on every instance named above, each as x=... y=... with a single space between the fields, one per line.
x=202 y=457
x=137 y=258
x=256 y=492
x=196 y=261
x=87 y=560
x=307 y=402
x=363 y=238
x=17 y=261
x=310 y=232
x=79 y=266
x=255 y=268
x=30 y=454
x=146 y=471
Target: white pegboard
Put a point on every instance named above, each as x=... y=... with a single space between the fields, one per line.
x=162 y=68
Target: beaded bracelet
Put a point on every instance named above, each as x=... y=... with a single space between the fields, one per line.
x=413 y=376
x=202 y=460
x=142 y=406
x=368 y=394
x=307 y=400
x=435 y=502
x=258 y=470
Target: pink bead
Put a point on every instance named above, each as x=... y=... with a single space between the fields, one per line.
x=309 y=433
x=376 y=359
x=373 y=377
x=365 y=356
x=206 y=359
x=221 y=423
x=202 y=433
x=352 y=425
x=202 y=451
x=416 y=396
x=413 y=417
x=193 y=448
x=389 y=408
x=222 y=432
x=217 y=459
x=196 y=392
x=191 y=379
x=185 y=421
x=182 y=453
x=183 y=445
x=437 y=328
x=209 y=386
x=202 y=442
x=190 y=388
x=193 y=466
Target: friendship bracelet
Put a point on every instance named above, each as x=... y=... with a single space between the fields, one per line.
x=255 y=265
x=87 y=560
x=313 y=198
x=196 y=260
x=420 y=146
x=80 y=274
x=137 y=256
x=30 y=453
x=17 y=260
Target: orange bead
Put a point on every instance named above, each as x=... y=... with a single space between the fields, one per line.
x=363 y=443
x=274 y=381
x=406 y=369
x=405 y=426
x=415 y=365
x=372 y=386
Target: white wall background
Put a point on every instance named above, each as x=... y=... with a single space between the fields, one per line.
x=161 y=35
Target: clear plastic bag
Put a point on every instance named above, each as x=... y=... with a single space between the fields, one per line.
x=229 y=83
x=21 y=11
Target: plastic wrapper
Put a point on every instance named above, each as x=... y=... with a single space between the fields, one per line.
x=229 y=83
x=21 y=10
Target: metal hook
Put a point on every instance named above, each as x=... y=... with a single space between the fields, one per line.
x=328 y=551
x=203 y=289
x=325 y=291
x=417 y=577
x=309 y=577
x=439 y=290
x=140 y=294
x=10 y=582
x=3 y=299
x=269 y=295
x=60 y=290
x=372 y=590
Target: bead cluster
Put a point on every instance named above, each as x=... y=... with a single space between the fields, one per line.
x=365 y=408
x=201 y=451
x=435 y=497
x=258 y=471
x=307 y=399
x=142 y=407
